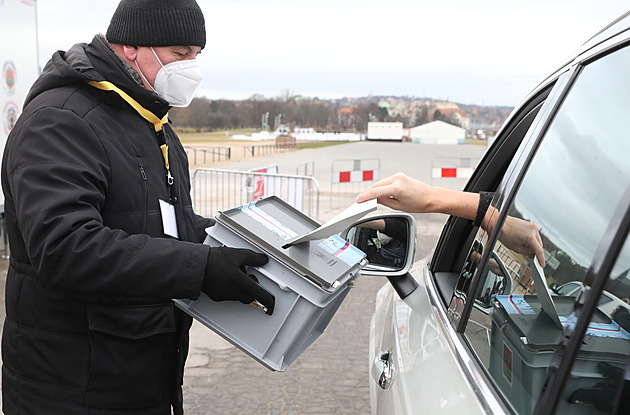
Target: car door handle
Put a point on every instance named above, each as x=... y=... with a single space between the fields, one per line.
x=383 y=369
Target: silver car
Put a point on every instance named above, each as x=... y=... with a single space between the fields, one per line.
x=473 y=329
x=608 y=303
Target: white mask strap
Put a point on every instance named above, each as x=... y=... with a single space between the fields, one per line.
x=143 y=77
x=158 y=59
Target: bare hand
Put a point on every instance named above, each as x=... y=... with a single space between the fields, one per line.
x=522 y=237
x=400 y=192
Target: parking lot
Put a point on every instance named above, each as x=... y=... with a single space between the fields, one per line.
x=330 y=377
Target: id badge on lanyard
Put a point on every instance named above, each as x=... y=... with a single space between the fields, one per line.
x=168 y=219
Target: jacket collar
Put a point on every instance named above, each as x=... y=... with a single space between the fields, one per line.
x=115 y=70
x=95 y=61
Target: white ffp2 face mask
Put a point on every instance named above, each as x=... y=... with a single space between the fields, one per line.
x=177 y=81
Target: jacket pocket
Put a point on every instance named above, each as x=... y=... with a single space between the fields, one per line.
x=131 y=355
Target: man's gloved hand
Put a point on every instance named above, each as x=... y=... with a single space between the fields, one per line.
x=226 y=278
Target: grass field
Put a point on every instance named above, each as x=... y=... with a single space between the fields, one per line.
x=213 y=137
x=476 y=141
x=223 y=137
x=318 y=144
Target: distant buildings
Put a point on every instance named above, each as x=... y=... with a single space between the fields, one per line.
x=423 y=111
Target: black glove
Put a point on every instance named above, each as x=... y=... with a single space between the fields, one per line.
x=226 y=278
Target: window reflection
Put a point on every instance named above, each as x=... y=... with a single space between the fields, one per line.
x=570 y=191
x=384 y=241
x=608 y=340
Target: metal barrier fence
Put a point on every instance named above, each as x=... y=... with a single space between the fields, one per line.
x=265 y=149
x=452 y=173
x=305 y=169
x=203 y=155
x=218 y=189
x=351 y=177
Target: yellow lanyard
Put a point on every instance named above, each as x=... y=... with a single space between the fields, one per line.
x=144 y=113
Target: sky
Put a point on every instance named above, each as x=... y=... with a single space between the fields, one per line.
x=483 y=52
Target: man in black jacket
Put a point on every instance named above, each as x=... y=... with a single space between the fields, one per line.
x=101 y=225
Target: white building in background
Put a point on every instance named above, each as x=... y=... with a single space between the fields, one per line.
x=391 y=131
x=18 y=61
x=437 y=132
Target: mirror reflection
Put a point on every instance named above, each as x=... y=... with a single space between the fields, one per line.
x=384 y=241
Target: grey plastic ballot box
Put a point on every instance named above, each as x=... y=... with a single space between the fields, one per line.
x=309 y=282
x=523 y=342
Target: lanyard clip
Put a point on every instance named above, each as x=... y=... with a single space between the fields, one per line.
x=169 y=178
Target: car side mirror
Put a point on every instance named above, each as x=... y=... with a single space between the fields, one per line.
x=497 y=281
x=389 y=242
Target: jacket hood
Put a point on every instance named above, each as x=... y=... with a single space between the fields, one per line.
x=93 y=62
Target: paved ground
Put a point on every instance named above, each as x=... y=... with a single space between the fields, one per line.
x=330 y=377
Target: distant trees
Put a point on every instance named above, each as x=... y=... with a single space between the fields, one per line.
x=447 y=118
x=421 y=115
x=348 y=114
x=203 y=114
x=208 y=115
x=437 y=116
x=362 y=115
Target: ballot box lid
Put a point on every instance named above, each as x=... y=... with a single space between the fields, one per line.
x=270 y=222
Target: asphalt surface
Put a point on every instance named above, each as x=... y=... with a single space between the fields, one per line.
x=331 y=377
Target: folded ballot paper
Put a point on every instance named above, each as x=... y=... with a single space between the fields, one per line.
x=339 y=223
x=310 y=272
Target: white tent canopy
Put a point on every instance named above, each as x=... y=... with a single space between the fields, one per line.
x=437 y=132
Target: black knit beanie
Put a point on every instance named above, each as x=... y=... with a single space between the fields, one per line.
x=158 y=23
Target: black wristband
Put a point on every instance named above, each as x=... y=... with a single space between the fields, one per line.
x=484 y=203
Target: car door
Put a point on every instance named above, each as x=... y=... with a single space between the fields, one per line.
x=534 y=352
x=415 y=343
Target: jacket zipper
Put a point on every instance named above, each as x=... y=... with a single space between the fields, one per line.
x=146 y=197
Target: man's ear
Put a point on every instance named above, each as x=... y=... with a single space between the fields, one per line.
x=130 y=52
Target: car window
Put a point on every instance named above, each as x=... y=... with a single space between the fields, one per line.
x=605 y=299
x=569 y=289
x=458 y=234
x=598 y=371
x=570 y=191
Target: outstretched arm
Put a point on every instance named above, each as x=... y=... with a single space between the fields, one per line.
x=404 y=193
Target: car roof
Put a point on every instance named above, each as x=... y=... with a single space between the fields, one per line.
x=613 y=29
x=587 y=49
x=619 y=25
